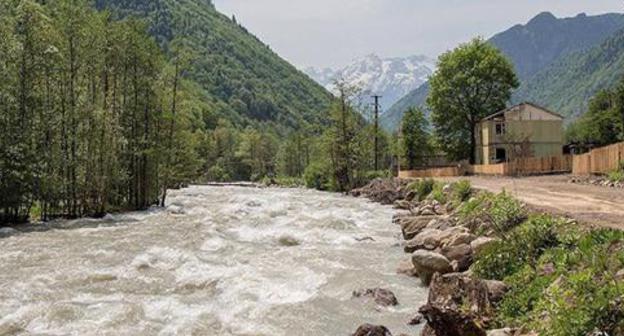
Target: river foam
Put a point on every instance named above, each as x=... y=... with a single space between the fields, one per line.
x=216 y=261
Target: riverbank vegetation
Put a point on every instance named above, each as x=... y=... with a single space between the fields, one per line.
x=494 y=263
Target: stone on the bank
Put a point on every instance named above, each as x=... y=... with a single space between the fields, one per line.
x=461 y=238
x=412 y=226
x=460 y=254
x=382 y=297
x=457 y=306
x=402 y=205
x=429 y=263
x=428 y=239
x=481 y=243
x=439 y=223
x=496 y=290
x=372 y=330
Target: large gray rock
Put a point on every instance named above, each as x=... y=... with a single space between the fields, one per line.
x=428 y=239
x=461 y=254
x=461 y=238
x=429 y=263
x=496 y=290
x=412 y=226
x=458 y=305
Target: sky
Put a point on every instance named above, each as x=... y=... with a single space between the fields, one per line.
x=331 y=33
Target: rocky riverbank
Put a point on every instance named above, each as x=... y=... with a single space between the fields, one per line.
x=483 y=254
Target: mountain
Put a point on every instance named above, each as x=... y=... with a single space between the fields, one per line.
x=244 y=81
x=534 y=48
x=392 y=78
x=568 y=84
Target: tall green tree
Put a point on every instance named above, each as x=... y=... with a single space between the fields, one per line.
x=472 y=81
x=414 y=141
x=601 y=125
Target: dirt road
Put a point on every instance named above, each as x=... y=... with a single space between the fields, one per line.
x=586 y=203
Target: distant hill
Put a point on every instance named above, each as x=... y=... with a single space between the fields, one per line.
x=567 y=85
x=392 y=78
x=242 y=78
x=538 y=49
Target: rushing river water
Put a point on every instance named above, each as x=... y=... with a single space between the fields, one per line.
x=217 y=261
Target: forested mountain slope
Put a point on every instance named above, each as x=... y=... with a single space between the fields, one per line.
x=567 y=85
x=246 y=82
x=538 y=49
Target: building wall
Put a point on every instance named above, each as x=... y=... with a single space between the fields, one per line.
x=545 y=135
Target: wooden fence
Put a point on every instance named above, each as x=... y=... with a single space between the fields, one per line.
x=599 y=161
x=433 y=172
x=528 y=166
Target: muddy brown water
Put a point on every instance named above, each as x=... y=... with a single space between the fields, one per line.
x=216 y=261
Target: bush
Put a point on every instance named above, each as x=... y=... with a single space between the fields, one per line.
x=422 y=188
x=524 y=245
x=366 y=177
x=462 y=191
x=616 y=176
x=566 y=285
x=317 y=177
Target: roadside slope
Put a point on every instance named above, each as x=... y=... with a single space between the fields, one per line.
x=589 y=204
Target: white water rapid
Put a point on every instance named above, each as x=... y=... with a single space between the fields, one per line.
x=216 y=261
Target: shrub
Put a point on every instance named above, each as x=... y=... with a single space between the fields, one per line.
x=424 y=188
x=616 y=176
x=524 y=245
x=317 y=177
x=462 y=191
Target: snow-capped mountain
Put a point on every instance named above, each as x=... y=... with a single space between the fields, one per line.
x=391 y=78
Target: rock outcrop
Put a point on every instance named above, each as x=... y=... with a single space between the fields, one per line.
x=458 y=305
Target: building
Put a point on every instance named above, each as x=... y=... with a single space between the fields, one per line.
x=524 y=130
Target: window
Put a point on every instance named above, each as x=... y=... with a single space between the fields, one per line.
x=500 y=129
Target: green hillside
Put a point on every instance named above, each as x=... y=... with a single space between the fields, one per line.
x=541 y=51
x=244 y=80
x=568 y=85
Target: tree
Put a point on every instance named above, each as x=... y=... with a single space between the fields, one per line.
x=471 y=82
x=601 y=125
x=414 y=143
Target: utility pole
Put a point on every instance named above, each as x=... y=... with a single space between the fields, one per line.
x=377 y=108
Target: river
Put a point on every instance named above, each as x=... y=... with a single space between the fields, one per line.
x=216 y=261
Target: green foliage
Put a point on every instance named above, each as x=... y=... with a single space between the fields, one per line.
x=602 y=124
x=616 y=176
x=317 y=176
x=414 y=138
x=496 y=212
x=522 y=246
x=568 y=84
x=88 y=113
x=483 y=78
x=462 y=191
x=244 y=80
x=423 y=188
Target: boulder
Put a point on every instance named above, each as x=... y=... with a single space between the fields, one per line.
x=429 y=263
x=382 y=297
x=372 y=330
x=427 y=239
x=458 y=305
x=402 y=205
x=461 y=254
x=480 y=243
x=412 y=226
x=461 y=238
x=496 y=290
x=440 y=223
